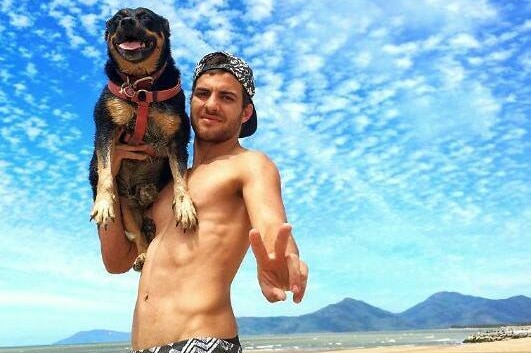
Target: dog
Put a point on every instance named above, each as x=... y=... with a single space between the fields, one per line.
x=142 y=103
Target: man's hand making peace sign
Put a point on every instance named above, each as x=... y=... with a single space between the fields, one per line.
x=280 y=270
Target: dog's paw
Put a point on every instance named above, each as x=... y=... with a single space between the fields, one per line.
x=185 y=213
x=139 y=262
x=103 y=211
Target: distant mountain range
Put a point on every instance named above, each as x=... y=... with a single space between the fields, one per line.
x=96 y=336
x=441 y=310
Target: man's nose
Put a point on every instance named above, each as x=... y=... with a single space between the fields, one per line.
x=211 y=104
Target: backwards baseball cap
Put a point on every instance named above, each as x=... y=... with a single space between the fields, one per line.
x=239 y=69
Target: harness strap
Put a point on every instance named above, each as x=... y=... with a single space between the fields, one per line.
x=143 y=98
x=143 y=82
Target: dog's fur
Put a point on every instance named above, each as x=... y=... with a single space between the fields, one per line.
x=168 y=130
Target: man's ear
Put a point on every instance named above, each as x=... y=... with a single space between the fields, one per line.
x=247 y=112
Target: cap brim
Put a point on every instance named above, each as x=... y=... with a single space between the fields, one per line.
x=249 y=127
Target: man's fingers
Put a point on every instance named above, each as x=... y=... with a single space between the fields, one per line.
x=293 y=264
x=273 y=294
x=148 y=149
x=144 y=148
x=297 y=297
x=134 y=155
x=125 y=147
x=284 y=232
x=258 y=247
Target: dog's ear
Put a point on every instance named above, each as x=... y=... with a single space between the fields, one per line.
x=107 y=24
x=166 y=27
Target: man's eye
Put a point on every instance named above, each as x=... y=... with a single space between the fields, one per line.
x=228 y=98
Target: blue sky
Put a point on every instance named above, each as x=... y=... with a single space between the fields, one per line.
x=401 y=130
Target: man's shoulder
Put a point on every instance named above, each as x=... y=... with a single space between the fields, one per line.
x=253 y=154
x=255 y=158
x=256 y=164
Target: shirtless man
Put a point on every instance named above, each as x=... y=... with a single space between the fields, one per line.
x=183 y=302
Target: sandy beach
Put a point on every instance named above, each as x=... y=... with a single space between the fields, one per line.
x=522 y=345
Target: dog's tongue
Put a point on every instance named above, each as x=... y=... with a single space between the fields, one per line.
x=131 y=45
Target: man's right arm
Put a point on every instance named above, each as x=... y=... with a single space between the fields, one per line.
x=117 y=252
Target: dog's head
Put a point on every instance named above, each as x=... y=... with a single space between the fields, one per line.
x=138 y=41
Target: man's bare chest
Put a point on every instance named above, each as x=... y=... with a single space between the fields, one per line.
x=214 y=184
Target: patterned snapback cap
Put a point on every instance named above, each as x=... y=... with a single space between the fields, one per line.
x=239 y=69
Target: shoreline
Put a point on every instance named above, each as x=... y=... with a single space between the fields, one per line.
x=520 y=345
x=502 y=339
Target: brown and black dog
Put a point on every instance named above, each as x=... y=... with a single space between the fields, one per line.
x=142 y=103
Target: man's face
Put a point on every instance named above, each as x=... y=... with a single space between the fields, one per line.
x=216 y=107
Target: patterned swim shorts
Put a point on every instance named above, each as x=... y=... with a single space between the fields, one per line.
x=196 y=345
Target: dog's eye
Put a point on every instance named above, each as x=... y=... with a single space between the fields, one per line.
x=143 y=16
x=115 y=19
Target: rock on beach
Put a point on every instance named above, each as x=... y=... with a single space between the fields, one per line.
x=500 y=334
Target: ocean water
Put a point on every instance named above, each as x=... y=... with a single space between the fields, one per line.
x=310 y=342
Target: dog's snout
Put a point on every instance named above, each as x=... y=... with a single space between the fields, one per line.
x=128 y=22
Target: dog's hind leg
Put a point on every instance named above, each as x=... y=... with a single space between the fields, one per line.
x=132 y=220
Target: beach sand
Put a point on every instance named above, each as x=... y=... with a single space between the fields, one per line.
x=522 y=345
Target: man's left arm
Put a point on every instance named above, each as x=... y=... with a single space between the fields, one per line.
x=279 y=266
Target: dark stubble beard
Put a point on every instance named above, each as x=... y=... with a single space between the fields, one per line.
x=220 y=135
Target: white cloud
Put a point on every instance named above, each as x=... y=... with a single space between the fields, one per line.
x=470 y=10
x=403 y=49
x=362 y=122
x=500 y=55
x=311 y=63
x=31 y=70
x=91 y=23
x=464 y=40
x=92 y=52
x=362 y=59
x=33 y=127
x=20 y=21
x=403 y=63
x=296 y=90
x=525 y=61
x=69 y=23
x=464 y=112
x=258 y=10
x=453 y=74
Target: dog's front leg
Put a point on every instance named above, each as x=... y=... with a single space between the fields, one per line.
x=183 y=207
x=103 y=210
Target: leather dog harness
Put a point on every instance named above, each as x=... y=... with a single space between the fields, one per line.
x=143 y=98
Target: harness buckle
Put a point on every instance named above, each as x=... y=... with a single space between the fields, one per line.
x=141 y=95
x=143 y=79
x=127 y=89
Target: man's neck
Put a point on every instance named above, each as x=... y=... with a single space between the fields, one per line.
x=206 y=152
